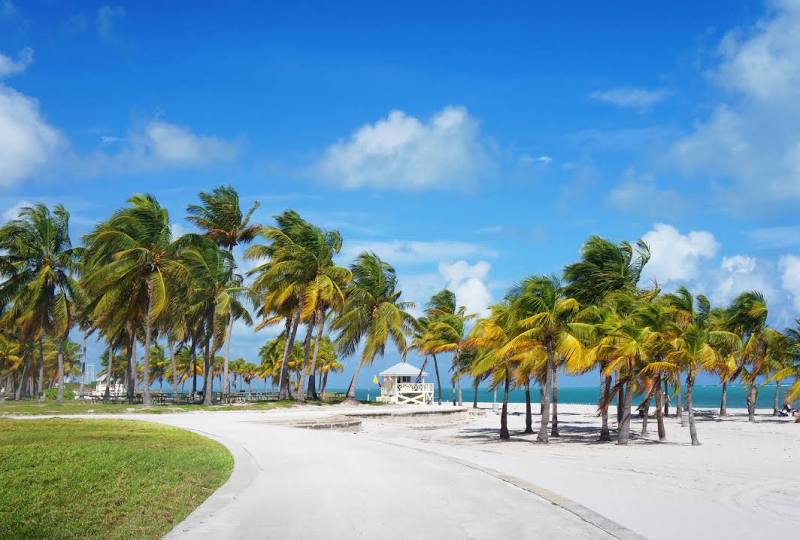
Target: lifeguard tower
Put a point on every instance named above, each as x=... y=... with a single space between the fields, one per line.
x=398 y=385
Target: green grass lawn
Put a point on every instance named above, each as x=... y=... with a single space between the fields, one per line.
x=69 y=478
x=9 y=408
x=24 y=408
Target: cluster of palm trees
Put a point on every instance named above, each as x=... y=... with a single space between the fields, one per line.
x=643 y=342
x=133 y=283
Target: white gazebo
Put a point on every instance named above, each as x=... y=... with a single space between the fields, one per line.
x=398 y=385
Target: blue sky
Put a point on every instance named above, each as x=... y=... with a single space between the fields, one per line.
x=469 y=143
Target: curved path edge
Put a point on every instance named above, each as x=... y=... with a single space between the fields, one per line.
x=245 y=469
x=588 y=515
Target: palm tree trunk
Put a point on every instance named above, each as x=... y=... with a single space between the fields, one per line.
x=620 y=404
x=109 y=377
x=40 y=389
x=504 y=412
x=148 y=331
x=679 y=407
x=312 y=389
x=132 y=368
x=625 y=425
x=723 y=404
x=666 y=398
x=301 y=383
x=475 y=384
x=291 y=331
x=453 y=391
x=194 y=368
x=690 y=409
x=646 y=413
x=208 y=375
x=60 y=356
x=226 y=359
x=460 y=396
x=554 y=430
x=351 y=390
x=775 y=399
x=174 y=367
x=541 y=398
x=548 y=383
x=605 y=433
x=662 y=433
x=324 y=384
x=438 y=380
x=83 y=367
x=23 y=378
x=528 y=412
x=752 y=398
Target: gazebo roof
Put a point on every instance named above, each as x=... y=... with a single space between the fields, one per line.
x=402 y=369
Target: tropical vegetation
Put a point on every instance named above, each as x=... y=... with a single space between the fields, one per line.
x=166 y=308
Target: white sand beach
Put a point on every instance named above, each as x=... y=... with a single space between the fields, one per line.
x=448 y=476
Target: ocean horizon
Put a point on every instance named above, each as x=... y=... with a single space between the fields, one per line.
x=705 y=396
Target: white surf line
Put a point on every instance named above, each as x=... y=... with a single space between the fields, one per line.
x=588 y=515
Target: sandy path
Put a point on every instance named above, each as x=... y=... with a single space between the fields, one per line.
x=743 y=482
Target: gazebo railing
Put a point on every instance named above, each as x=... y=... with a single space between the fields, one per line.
x=404 y=388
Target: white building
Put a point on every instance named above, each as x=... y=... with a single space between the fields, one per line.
x=116 y=389
x=398 y=385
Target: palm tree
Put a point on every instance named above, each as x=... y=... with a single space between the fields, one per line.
x=747 y=317
x=132 y=261
x=442 y=302
x=780 y=355
x=489 y=338
x=372 y=315
x=221 y=217
x=549 y=326
x=446 y=332
x=215 y=297
x=279 y=283
x=606 y=271
x=39 y=263
x=625 y=346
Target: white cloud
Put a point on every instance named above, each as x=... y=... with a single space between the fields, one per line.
x=169 y=143
x=27 y=141
x=639 y=99
x=13 y=211
x=106 y=17
x=639 y=193
x=404 y=252
x=10 y=67
x=177 y=230
x=527 y=160
x=469 y=283
x=401 y=152
x=789 y=267
x=676 y=256
x=752 y=140
x=740 y=273
x=159 y=145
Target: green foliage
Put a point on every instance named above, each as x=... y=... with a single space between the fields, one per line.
x=50 y=393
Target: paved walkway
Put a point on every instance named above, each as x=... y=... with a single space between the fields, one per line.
x=300 y=483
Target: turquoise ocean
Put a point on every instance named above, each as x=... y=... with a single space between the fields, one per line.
x=707 y=396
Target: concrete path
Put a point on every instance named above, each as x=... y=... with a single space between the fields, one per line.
x=299 y=483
